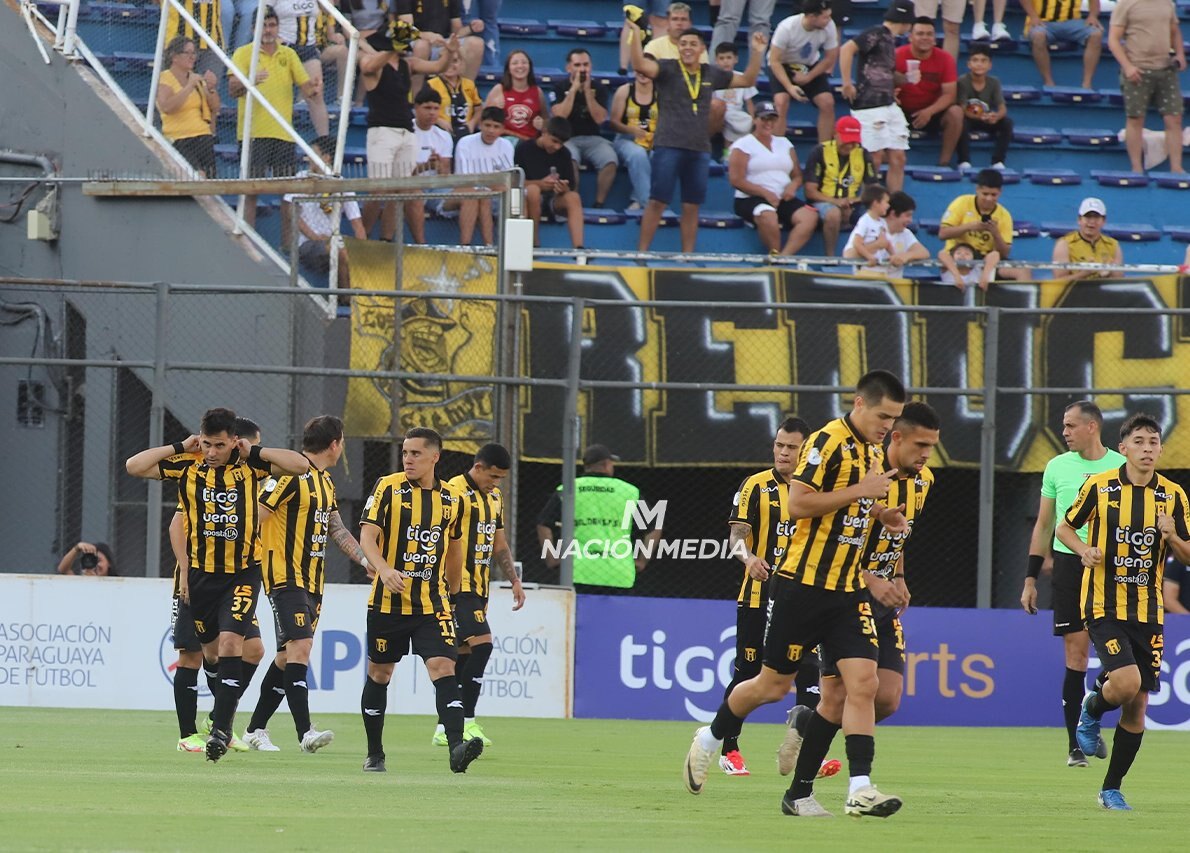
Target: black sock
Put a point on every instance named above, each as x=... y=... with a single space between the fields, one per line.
x=726 y=724
x=1125 y=745
x=211 y=671
x=249 y=671
x=861 y=749
x=806 y=683
x=272 y=691
x=472 y=681
x=231 y=673
x=1072 y=702
x=186 y=699
x=298 y=695
x=373 y=704
x=1097 y=706
x=1100 y=680
x=450 y=708
x=815 y=745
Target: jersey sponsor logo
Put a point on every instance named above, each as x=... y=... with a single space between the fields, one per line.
x=1141 y=540
x=814 y=457
x=271 y=485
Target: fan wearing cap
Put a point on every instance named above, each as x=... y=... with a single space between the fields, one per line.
x=835 y=176
x=885 y=130
x=802 y=55
x=764 y=171
x=1087 y=244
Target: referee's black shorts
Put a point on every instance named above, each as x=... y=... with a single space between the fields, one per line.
x=1068 y=594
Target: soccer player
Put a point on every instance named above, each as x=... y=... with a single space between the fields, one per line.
x=1133 y=515
x=1063 y=477
x=913 y=438
x=298 y=515
x=404 y=533
x=761 y=525
x=483 y=543
x=818 y=597
x=218 y=490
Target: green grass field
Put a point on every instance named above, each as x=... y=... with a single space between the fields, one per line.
x=103 y=780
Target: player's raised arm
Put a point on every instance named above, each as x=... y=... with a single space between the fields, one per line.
x=279 y=460
x=147 y=463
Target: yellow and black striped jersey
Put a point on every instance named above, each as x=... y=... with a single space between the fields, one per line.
x=208 y=14
x=481 y=515
x=296 y=533
x=884 y=548
x=415 y=524
x=1058 y=10
x=760 y=504
x=298 y=22
x=1122 y=523
x=219 y=509
x=825 y=550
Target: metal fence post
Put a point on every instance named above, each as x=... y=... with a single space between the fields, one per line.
x=156 y=433
x=570 y=433
x=511 y=394
x=987 y=458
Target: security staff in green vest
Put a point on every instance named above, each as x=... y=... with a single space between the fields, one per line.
x=606 y=512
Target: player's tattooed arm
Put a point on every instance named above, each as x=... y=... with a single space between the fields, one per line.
x=343 y=538
x=502 y=557
x=504 y=560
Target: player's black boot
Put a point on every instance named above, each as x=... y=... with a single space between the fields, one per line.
x=217 y=744
x=375 y=764
x=462 y=754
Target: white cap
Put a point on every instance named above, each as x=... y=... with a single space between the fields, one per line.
x=1092 y=205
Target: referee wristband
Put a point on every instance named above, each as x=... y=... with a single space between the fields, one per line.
x=179 y=447
x=1035 y=561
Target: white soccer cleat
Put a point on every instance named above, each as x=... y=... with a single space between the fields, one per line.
x=698 y=762
x=869 y=802
x=805 y=807
x=789 y=749
x=259 y=740
x=314 y=740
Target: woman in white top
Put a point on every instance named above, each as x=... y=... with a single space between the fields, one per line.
x=764 y=170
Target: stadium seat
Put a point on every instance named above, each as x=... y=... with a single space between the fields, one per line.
x=1114 y=96
x=936 y=174
x=718 y=219
x=123 y=11
x=1022 y=93
x=1053 y=177
x=602 y=216
x=1025 y=230
x=716 y=169
x=1057 y=229
x=1073 y=95
x=489 y=75
x=1171 y=180
x=549 y=76
x=798 y=130
x=1093 y=136
x=1116 y=178
x=522 y=27
x=1179 y=233
x=1005 y=46
x=930 y=223
x=668 y=217
x=1132 y=233
x=1010 y=176
x=1036 y=136
x=578 y=29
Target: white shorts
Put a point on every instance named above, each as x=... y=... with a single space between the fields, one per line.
x=392 y=152
x=952 y=10
x=883 y=128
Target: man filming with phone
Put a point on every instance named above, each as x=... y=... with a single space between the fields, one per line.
x=550 y=178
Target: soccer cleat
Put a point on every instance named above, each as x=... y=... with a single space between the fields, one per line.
x=217 y=745
x=260 y=741
x=788 y=751
x=805 y=807
x=733 y=764
x=1113 y=801
x=237 y=745
x=1076 y=758
x=698 y=762
x=1087 y=733
x=868 y=802
x=374 y=764
x=439 y=738
x=204 y=726
x=830 y=767
x=192 y=743
x=1101 y=749
x=979 y=32
x=314 y=740
x=463 y=753
x=1000 y=33
x=472 y=730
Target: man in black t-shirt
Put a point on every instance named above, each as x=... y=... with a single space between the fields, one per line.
x=438 y=20
x=584 y=105
x=549 y=175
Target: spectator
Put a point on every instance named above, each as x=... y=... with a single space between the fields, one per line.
x=392 y=146
x=487 y=14
x=901 y=246
x=634 y=119
x=461 y=104
x=1176 y=587
x=316 y=223
x=952 y=20
x=835 y=175
x=434 y=150
x=436 y=22
x=764 y=170
x=1087 y=244
x=239 y=20
x=210 y=15
x=802 y=56
x=928 y=96
x=584 y=106
x=982 y=222
x=962 y=268
x=885 y=130
x=550 y=174
x=188 y=103
x=523 y=101
x=867 y=238
x=979 y=30
x=727 y=24
x=96 y=560
x=731 y=109
x=481 y=153
x=278 y=70
x=681 y=152
x=981 y=99
x=297 y=27
x=1143 y=35
x=367 y=16
x=1061 y=22
x=664 y=44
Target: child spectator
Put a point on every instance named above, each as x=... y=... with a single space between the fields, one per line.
x=434 y=150
x=981 y=98
x=549 y=177
x=867 y=238
x=962 y=266
x=461 y=104
x=316 y=223
x=523 y=101
x=901 y=245
x=731 y=109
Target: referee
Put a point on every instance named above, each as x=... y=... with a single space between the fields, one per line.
x=1082 y=424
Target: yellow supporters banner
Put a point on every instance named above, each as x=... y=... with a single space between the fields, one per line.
x=437 y=336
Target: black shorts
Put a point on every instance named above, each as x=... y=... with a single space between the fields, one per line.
x=471 y=616
x=749 y=639
x=181 y=626
x=199 y=152
x=271 y=157
x=1121 y=644
x=390 y=636
x=295 y=613
x=802 y=617
x=306 y=52
x=1067 y=594
x=891 y=636
x=224 y=603
x=818 y=86
x=933 y=126
x=745 y=209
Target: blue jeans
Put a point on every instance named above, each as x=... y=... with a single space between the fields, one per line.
x=487 y=11
x=674 y=166
x=640 y=170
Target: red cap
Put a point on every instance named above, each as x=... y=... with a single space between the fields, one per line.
x=847 y=129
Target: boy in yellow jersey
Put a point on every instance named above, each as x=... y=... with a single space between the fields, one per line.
x=1134 y=516
x=405 y=530
x=218 y=491
x=298 y=516
x=819 y=597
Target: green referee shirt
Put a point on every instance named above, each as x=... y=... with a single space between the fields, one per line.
x=1064 y=476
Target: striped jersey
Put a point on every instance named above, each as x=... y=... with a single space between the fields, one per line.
x=480 y=516
x=884 y=548
x=760 y=504
x=300 y=22
x=208 y=14
x=296 y=533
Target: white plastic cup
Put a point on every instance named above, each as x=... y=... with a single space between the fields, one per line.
x=913 y=71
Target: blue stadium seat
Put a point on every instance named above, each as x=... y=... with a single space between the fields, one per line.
x=1133 y=233
x=355 y=155
x=602 y=216
x=801 y=130
x=1171 y=180
x=1022 y=93
x=718 y=219
x=549 y=76
x=228 y=152
x=1053 y=177
x=1010 y=176
x=489 y=75
x=669 y=219
x=610 y=80
x=935 y=174
x=1057 y=229
x=716 y=169
x=123 y=11
x=1073 y=95
x=578 y=29
x=1093 y=136
x=1114 y=96
x=1036 y=136
x=1116 y=178
x=1006 y=46
x=1178 y=233
x=1025 y=230
x=522 y=27
x=929 y=223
